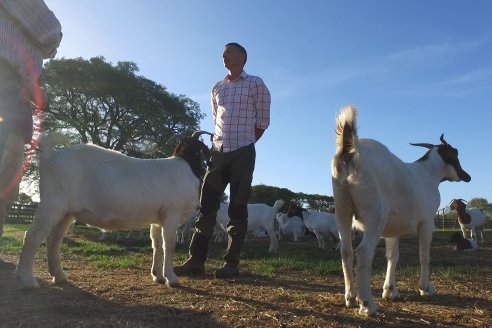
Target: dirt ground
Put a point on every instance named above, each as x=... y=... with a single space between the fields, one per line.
x=96 y=297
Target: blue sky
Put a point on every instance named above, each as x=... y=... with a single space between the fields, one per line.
x=414 y=69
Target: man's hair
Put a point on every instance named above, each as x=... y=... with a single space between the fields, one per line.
x=241 y=49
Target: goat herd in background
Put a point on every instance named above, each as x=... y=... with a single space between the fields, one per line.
x=374 y=192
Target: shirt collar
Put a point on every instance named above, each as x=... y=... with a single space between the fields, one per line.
x=243 y=76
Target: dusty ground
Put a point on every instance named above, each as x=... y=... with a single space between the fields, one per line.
x=128 y=298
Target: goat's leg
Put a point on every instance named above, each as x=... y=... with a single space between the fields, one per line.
x=473 y=234
x=364 y=255
x=321 y=239
x=39 y=229
x=158 y=253
x=274 y=246
x=169 y=236
x=425 y=238
x=345 y=227
x=463 y=230
x=390 y=291
x=53 y=245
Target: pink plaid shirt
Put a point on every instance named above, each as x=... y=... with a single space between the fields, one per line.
x=238 y=107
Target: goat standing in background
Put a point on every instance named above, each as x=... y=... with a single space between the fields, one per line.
x=472 y=219
x=259 y=216
x=291 y=226
x=322 y=224
x=389 y=198
x=106 y=189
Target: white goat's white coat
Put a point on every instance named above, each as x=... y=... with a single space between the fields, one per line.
x=322 y=224
x=474 y=216
x=108 y=190
x=11 y=159
x=389 y=198
x=292 y=226
x=259 y=216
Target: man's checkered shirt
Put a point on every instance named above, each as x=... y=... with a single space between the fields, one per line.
x=238 y=107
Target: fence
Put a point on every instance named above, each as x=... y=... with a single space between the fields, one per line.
x=24 y=213
x=21 y=213
x=442 y=221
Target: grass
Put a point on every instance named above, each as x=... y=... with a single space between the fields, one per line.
x=298 y=257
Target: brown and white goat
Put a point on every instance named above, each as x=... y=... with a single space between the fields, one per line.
x=472 y=219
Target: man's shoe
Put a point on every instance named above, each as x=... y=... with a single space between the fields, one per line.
x=189 y=268
x=227 y=271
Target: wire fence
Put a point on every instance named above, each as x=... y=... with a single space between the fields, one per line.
x=24 y=213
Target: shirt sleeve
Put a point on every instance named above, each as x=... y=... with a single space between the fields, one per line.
x=262 y=104
x=37 y=21
x=214 y=104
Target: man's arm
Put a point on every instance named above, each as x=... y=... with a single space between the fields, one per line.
x=258 y=133
x=38 y=23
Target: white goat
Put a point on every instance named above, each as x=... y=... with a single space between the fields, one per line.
x=109 y=190
x=389 y=198
x=11 y=159
x=291 y=226
x=472 y=219
x=322 y=224
x=259 y=215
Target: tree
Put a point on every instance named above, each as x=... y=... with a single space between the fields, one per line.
x=481 y=203
x=24 y=198
x=268 y=195
x=110 y=106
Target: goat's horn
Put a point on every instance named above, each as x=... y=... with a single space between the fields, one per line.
x=464 y=201
x=197 y=134
x=425 y=145
x=443 y=141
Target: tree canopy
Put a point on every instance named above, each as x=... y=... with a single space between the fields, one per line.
x=113 y=107
x=268 y=195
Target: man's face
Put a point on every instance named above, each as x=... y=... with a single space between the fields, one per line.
x=233 y=58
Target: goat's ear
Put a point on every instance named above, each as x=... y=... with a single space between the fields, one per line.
x=425 y=145
x=443 y=141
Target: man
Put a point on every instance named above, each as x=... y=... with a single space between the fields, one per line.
x=241 y=113
x=29 y=33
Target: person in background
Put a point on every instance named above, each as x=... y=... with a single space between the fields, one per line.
x=241 y=114
x=29 y=33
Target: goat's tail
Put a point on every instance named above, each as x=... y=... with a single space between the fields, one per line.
x=346 y=137
x=51 y=140
x=278 y=205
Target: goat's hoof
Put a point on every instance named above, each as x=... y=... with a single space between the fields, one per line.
x=350 y=302
x=391 y=294
x=30 y=282
x=172 y=283
x=60 y=278
x=429 y=291
x=367 y=308
x=158 y=279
